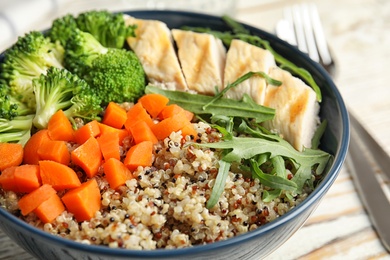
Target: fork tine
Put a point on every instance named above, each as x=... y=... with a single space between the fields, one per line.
x=301 y=26
x=288 y=14
x=285 y=28
x=298 y=27
x=319 y=34
x=309 y=34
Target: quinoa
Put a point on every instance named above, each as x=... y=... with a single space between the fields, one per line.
x=164 y=206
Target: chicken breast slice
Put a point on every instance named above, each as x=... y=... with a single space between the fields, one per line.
x=242 y=58
x=202 y=58
x=154 y=47
x=296 y=118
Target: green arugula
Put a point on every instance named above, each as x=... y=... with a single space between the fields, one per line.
x=242 y=148
x=202 y=104
x=315 y=142
x=248 y=147
x=241 y=79
x=272 y=181
x=224 y=167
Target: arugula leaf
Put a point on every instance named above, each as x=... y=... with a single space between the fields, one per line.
x=226 y=37
x=241 y=79
x=223 y=106
x=219 y=184
x=268 y=196
x=272 y=181
x=240 y=148
x=279 y=167
x=303 y=175
x=223 y=172
x=234 y=25
x=259 y=132
x=247 y=147
x=315 y=141
x=262 y=158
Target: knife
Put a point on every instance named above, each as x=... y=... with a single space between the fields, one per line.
x=381 y=156
x=364 y=176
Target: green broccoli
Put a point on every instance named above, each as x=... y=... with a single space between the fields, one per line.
x=80 y=50
x=17 y=130
x=62 y=28
x=27 y=59
x=108 y=28
x=11 y=107
x=61 y=90
x=116 y=74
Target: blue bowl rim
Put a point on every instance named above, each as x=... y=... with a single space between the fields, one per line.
x=320 y=190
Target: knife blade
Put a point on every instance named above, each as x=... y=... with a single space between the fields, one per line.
x=370 y=190
x=381 y=156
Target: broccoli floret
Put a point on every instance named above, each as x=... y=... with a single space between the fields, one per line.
x=116 y=74
x=10 y=107
x=62 y=28
x=108 y=28
x=60 y=89
x=17 y=130
x=27 y=59
x=80 y=50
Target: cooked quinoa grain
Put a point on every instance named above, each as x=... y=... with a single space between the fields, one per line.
x=164 y=205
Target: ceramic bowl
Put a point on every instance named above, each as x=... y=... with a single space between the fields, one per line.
x=253 y=245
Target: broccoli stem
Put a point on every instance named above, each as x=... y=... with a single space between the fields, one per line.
x=16 y=130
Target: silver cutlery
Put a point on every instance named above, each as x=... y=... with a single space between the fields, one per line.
x=301 y=26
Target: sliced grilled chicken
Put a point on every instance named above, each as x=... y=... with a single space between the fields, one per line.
x=154 y=47
x=242 y=58
x=297 y=109
x=202 y=58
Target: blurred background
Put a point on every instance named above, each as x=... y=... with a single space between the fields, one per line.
x=20 y=16
x=358 y=32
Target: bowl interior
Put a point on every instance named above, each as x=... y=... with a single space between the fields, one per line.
x=334 y=141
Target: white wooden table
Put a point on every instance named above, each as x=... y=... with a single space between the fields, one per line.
x=359 y=34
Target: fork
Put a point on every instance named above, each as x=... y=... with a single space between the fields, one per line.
x=301 y=26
